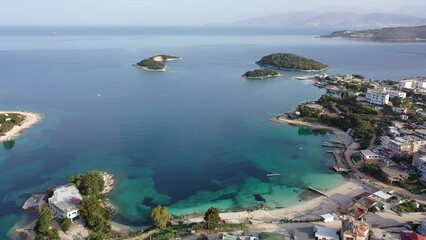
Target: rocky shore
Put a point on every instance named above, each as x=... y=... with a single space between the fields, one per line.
x=31 y=118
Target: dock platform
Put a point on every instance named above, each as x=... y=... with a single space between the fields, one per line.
x=34 y=201
x=317 y=191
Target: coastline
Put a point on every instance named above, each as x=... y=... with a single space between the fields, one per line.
x=291 y=69
x=26 y=228
x=312 y=210
x=148 y=69
x=31 y=118
x=263 y=77
x=340 y=135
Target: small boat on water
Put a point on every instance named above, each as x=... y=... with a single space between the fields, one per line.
x=273 y=174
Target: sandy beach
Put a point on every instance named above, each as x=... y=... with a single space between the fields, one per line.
x=339 y=197
x=31 y=118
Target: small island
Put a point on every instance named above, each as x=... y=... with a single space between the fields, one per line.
x=14 y=122
x=288 y=61
x=151 y=65
x=155 y=63
x=396 y=34
x=261 y=74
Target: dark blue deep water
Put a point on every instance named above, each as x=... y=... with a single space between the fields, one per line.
x=195 y=136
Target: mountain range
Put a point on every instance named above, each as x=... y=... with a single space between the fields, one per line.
x=330 y=19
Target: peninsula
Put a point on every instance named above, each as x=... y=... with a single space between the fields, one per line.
x=288 y=61
x=396 y=34
x=165 y=58
x=13 y=123
x=261 y=74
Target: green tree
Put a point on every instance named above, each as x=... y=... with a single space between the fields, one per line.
x=97 y=236
x=212 y=218
x=396 y=101
x=94 y=215
x=160 y=216
x=44 y=219
x=90 y=183
x=66 y=224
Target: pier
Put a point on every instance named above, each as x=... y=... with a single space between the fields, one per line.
x=332 y=145
x=339 y=169
x=317 y=191
x=339 y=166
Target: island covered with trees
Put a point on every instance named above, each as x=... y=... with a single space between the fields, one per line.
x=155 y=63
x=261 y=74
x=288 y=61
x=151 y=65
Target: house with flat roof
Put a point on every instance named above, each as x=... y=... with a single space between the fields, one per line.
x=368 y=155
x=65 y=202
x=273 y=236
x=377 y=97
x=325 y=233
x=394 y=174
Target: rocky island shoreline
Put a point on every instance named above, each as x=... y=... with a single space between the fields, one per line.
x=156 y=63
x=24 y=120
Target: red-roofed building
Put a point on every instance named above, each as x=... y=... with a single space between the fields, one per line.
x=362 y=195
x=354 y=230
x=409 y=235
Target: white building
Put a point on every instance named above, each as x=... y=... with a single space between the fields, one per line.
x=382 y=196
x=407 y=84
x=421 y=84
x=377 y=97
x=328 y=217
x=325 y=233
x=396 y=93
x=65 y=202
x=400 y=110
x=416 y=83
x=369 y=155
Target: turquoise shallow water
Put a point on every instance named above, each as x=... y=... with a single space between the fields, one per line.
x=196 y=136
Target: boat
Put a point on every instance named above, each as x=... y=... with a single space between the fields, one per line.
x=273 y=174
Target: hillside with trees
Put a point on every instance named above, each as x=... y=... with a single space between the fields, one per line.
x=150 y=64
x=291 y=62
x=8 y=121
x=383 y=34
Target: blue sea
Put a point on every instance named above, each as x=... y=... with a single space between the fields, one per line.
x=195 y=136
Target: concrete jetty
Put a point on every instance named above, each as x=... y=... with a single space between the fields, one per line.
x=317 y=191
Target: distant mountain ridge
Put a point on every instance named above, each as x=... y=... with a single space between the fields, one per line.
x=332 y=19
x=385 y=34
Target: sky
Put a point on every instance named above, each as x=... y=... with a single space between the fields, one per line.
x=176 y=12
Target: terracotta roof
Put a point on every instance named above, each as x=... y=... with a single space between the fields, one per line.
x=358 y=197
x=406 y=235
